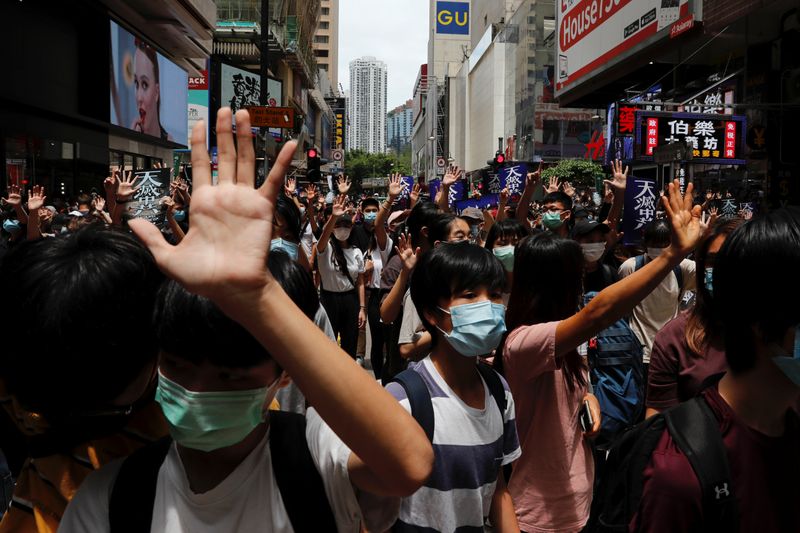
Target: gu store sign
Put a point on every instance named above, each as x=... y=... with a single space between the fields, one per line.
x=713 y=139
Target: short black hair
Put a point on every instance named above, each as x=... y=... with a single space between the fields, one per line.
x=448 y=269
x=560 y=197
x=85 y=301
x=658 y=231
x=506 y=228
x=370 y=201
x=770 y=298
x=439 y=230
x=290 y=214
x=422 y=215
x=193 y=328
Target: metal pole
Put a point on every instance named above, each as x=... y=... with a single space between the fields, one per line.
x=264 y=93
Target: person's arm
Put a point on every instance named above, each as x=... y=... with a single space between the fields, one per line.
x=617 y=184
x=620 y=298
x=337 y=211
x=393 y=302
x=488 y=221
x=531 y=182
x=35 y=202
x=176 y=228
x=224 y=258
x=125 y=192
x=361 y=283
x=311 y=210
x=395 y=188
x=14 y=199
x=415 y=349
x=110 y=185
x=501 y=512
x=453 y=175
x=501 y=207
x=413 y=196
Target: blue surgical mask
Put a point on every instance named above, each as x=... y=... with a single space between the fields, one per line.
x=552 y=221
x=289 y=247
x=709 y=280
x=12 y=226
x=477 y=327
x=179 y=216
x=209 y=421
x=790 y=366
x=370 y=217
x=506 y=256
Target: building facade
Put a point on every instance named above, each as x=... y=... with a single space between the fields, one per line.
x=326 y=41
x=367 y=105
x=399 y=123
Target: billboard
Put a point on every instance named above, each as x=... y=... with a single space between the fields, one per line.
x=595 y=35
x=148 y=92
x=198 y=102
x=713 y=139
x=452 y=18
x=240 y=88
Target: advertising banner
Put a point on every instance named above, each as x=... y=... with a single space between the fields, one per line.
x=148 y=92
x=240 y=89
x=713 y=139
x=198 y=102
x=641 y=197
x=452 y=18
x=595 y=35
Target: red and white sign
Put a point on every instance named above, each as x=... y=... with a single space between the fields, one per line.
x=682 y=26
x=652 y=135
x=594 y=35
x=730 y=140
x=199 y=83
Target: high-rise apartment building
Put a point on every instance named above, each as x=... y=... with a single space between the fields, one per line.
x=326 y=41
x=399 y=123
x=366 y=108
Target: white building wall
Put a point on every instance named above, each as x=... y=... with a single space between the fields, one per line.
x=367 y=105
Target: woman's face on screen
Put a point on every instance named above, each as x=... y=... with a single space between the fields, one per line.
x=147 y=89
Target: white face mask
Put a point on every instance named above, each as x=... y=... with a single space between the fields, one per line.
x=342 y=234
x=652 y=253
x=593 y=251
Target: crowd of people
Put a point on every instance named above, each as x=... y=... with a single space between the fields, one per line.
x=286 y=358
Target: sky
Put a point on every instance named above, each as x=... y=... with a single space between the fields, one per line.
x=394 y=31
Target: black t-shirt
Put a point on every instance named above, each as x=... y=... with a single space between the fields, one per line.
x=600 y=279
x=360 y=237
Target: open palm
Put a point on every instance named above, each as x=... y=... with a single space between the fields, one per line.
x=686 y=219
x=224 y=254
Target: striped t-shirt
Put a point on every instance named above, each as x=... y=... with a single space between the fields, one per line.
x=470 y=446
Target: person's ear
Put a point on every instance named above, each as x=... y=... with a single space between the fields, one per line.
x=437 y=243
x=424 y=231
x=435 y=319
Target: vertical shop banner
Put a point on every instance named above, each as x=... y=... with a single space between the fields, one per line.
x=452 y=18
x=153 y=185
x=198 y=103
x=641 y=201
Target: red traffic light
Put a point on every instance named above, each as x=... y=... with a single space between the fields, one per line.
x=500 y=159
x=312 y=153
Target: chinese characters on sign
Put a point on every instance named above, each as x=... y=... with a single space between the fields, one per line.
x=626 y=124
x=152 y=185
x=513 y=178
x=640 y=202
x=711 y=138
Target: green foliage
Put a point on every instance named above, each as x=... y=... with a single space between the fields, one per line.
x=360 y=164
x=579 y=172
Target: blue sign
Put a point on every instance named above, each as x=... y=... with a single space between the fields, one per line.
x=458 y=190
x=487 y=201
x=452 y=18
x=513 y=178
x=641 y=204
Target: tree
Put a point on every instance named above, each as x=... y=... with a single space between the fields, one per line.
x=360 y=164
x=579 y=172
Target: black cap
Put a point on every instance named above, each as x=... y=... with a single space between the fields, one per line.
x=586 y=226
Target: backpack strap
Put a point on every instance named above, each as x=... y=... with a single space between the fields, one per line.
x=130 y=507
x=695 y=429
x=419 y=399
x=299 y=482
x=677 y=271
x=496 y=389
x=639 y=263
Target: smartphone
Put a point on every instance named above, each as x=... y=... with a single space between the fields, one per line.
x=587 y=421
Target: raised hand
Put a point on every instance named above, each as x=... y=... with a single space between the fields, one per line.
x=224 y=255
x=36 y=199
x=746 y=214
x=452 y=175
x=395 y=185
x=126 y=190
x=713 y=211
x=343 y=184
x=311 y=194
x=619 y=179
x=687 y=227
x=111 y=183
x=553 y=185
x=98 y=203
x=14 y=196
x=569 y=190
x=608 y=196
x=707 y=223
x=414 y=194
x=290 y=187
x=338 y=208
x=504 y=194
x=533 y=177
x=407 y=253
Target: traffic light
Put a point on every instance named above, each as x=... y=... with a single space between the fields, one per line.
x=313 y=173
x=498 y=161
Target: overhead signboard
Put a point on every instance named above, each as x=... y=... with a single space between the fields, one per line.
x=271 y=117
x=452 y=18
x=712 y=139
x=595 y=35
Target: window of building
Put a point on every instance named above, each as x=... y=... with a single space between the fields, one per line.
x=321 y=53
x=326 y=11
x=324 y=25
x=323 y=39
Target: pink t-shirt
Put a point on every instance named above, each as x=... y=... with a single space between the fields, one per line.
x=551 y=484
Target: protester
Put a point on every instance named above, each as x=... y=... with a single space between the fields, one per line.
x=457 y=291
x=557 y=213
x=753 y=403
x=501 y=240
x=551 y=484
x=689 y=348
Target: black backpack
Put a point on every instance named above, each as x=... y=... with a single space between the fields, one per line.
x=303 y=493
x=419 y=398
x=695 y=429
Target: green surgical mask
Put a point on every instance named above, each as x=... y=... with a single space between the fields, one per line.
x=506 y=256
x=552 y=221
x=209 y=421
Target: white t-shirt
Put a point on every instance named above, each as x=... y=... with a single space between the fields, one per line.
x=411 y=327
x=379 y=258
x=332 y=278
x=247 y=500
x=661 y=305
x=470 y=446
x=307 y=240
